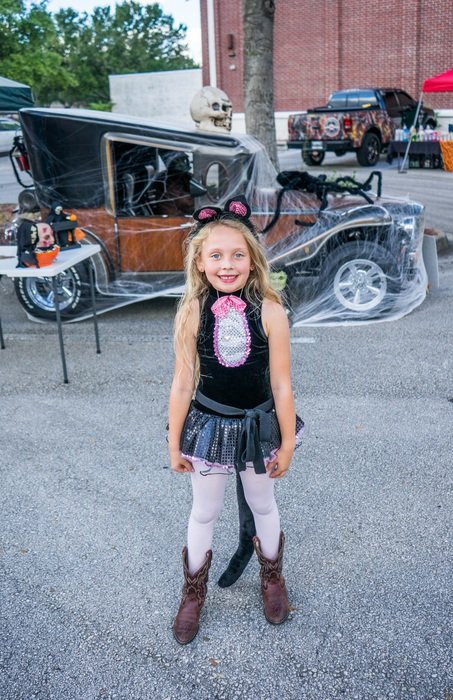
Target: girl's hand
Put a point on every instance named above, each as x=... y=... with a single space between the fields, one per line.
x=179 y=464
x=280 y=464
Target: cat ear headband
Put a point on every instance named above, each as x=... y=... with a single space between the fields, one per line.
x=236 y=208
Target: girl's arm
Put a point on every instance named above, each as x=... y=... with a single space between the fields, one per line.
x=276 y=326
x=181 y=391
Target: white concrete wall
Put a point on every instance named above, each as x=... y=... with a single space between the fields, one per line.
x=281 y=125
x=167 y=95
x=160 y=95
x=444 y=119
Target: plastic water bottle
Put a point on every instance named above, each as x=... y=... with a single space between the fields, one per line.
x=405 y=134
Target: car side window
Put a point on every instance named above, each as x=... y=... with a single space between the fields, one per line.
x=338 y=100
x=134 y=167
x=391 y=104
x=366 y=98
x=172 y=187
x=216 y=181
x=405 y=100
x=148 y=180
x=354 y=100
x=7 y=125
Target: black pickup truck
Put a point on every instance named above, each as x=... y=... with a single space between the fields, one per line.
x=361 y=120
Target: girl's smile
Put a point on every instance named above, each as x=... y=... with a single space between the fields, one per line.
x=225 y=259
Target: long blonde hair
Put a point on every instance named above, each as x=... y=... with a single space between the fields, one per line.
x=257 y=288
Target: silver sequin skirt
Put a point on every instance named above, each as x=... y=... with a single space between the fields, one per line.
x=214 y=440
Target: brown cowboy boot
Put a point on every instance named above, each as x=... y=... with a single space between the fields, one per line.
x=186 y=624
x=273 y=588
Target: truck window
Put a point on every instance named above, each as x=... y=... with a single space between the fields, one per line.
x=391 y=104
x=404 y=99
x=408 y=108
x=352 y=99
x=338 y=100
x=366 y=98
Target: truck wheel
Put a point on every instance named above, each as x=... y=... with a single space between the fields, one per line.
x=359 y=280
x=370 y=150
x=36 y=294
x=312 y=157
x=431 y=123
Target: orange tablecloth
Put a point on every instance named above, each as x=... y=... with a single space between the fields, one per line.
x=446 y=148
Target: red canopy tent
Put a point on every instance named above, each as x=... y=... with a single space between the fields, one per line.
x=439 y=83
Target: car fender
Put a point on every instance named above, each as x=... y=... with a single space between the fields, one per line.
x=308 y=244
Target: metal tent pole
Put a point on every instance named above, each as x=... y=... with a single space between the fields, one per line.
x=56 y=294
x=417 y=112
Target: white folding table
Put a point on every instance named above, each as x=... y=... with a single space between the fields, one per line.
x=64 y=260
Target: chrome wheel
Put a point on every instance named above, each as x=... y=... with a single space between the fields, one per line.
x=360 y=285
x=360 y=280
x=37 y=297
x=42 y=294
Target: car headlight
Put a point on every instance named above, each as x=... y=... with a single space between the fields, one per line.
x=409 y=228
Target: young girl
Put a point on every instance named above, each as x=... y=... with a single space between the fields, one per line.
x=232 y=338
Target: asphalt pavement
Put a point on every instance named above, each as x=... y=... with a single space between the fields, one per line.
x=92 y=522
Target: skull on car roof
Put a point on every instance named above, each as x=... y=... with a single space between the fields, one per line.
x=211 y=110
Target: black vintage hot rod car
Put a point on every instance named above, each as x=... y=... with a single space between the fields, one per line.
x=340 y=251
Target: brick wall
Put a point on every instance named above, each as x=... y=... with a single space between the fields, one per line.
x=324 y=45
x=228 y=38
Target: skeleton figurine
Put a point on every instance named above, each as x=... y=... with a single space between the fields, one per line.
x=36 y=245
x=211 y=110
x=63 y=225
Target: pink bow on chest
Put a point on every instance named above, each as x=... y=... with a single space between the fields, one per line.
x=221 y=307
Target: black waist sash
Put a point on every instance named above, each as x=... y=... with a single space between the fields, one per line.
x=257 y=427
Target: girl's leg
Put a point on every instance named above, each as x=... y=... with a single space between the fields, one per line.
x=208 y=496
x=259 y=492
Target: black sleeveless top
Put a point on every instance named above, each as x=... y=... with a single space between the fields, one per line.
x=243 y=386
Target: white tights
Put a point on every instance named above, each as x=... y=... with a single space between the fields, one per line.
x=208 y=498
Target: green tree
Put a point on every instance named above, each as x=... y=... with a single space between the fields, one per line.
x=134 y=38
x=29 y=49
x=68 y=56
